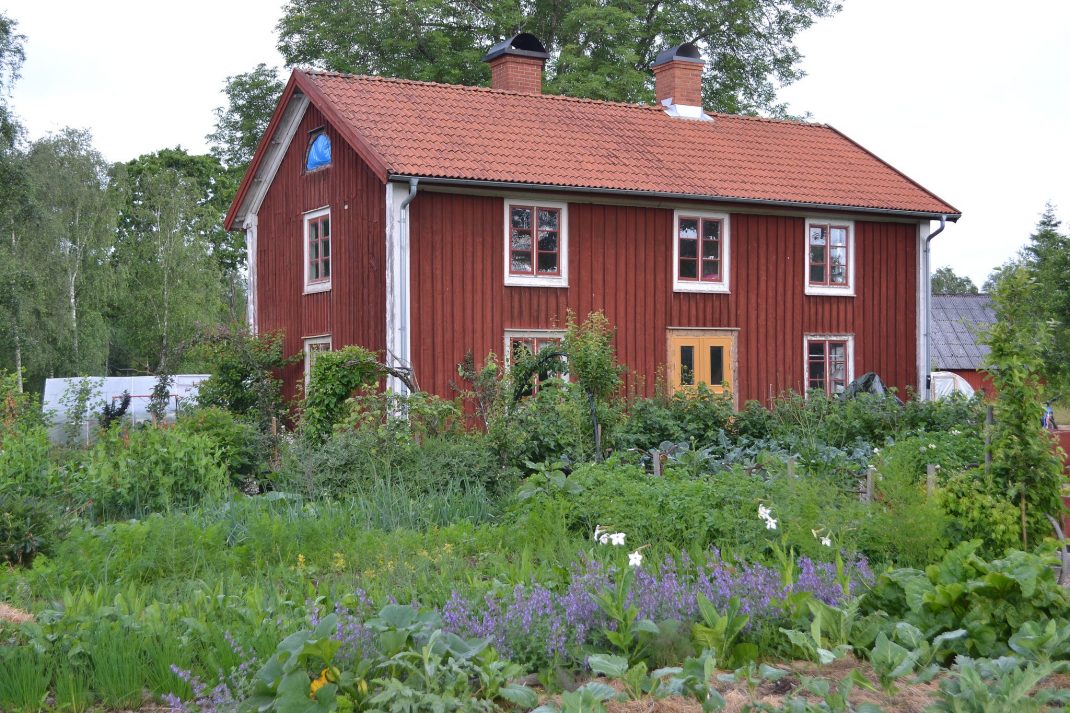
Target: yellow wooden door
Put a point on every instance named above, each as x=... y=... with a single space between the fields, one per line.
x=702 y=357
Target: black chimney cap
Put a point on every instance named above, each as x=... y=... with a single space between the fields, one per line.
x=523 y=45
x=687 y=52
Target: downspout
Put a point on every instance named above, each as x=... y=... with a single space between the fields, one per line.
x=929 y=309
x=403 y=209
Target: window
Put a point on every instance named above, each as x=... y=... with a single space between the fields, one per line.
x=700 y=252
x=533 y=341
x=829 y=365
x=829 y=257
x=536 y=244
x=318 y=250
x=314 y=346
x=319 y=152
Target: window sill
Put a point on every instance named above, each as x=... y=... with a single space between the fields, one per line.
x=316 y=288
x=521 y=281
x=848 y=291
x=720 y=288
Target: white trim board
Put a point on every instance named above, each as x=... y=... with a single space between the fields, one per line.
x=276 y=152
x=398 y=285
x=251 y=303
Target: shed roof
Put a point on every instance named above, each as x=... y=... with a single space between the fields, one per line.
x=461 y=133
x=957 y=321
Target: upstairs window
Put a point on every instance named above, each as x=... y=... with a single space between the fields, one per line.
x=318 y=250
x=829 y=258
x=829 y=363
x=319 y=152
x=536 y=244
x=700 y=252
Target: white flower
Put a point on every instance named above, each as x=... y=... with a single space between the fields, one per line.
x=956 y=432
x=764 y=512
x=635 y=559
x=617 y=538
x=932 y=446
x=826 y=541
x=876 y=451
x=597 y=532
x=604 y=538
x=936 y=467
x=770 y=524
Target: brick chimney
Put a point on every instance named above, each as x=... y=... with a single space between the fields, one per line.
x=516 y=64
x=678 y=76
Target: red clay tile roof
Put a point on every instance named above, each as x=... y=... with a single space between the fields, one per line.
x=461 y=132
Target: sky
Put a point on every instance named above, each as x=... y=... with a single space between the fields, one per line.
x=968 y=97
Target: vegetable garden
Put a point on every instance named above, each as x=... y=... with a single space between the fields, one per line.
x=538 y=543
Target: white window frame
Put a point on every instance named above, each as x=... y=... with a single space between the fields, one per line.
x=559 y=280
x=511 y=334
x=807 y=338
x=307 y=343
x=306 y=218
x=847 y=290
x=723 y=285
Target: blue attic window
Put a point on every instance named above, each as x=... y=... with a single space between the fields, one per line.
x=319 y=153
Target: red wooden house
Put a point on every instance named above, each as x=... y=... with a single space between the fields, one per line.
x=424 y=221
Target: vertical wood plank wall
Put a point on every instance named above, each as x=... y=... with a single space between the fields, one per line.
x=620 y=261
x=352 y=312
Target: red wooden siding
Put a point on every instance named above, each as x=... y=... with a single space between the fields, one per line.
x=620 y=261
x=353 y=310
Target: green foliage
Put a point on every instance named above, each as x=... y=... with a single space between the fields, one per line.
x=597 y=51
x=242 y=367
x=26 y=463
x=27 y=528
x=678 y=418
x=1024 y=461
x=144 y=470
x=946 y=282
x=902 y=506
x=241 y=446
x=1003 y=684
x=718 y=633
x=335 y=377
x=991 y=601
x=951 y=452
x=251 y=100
x=630 y=635
x=24 y=685
x=978 y=509
x=415 y=666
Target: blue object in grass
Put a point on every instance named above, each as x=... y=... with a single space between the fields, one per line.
x=319 y=153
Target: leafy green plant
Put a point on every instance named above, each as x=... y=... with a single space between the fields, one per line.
x=830 y=699
x=547 y=479
x=991 y=601
x=150 y=469
x=588 y=698
x=243 y=451
x=631 y=635
x=1003 y=684
x=27 y=529
x=909 y=653
x=1042 y=643
x=718 y=633
x=335 y=377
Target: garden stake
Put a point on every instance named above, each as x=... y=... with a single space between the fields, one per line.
x=930 y=479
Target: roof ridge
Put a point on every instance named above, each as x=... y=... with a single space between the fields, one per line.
x=559 y=97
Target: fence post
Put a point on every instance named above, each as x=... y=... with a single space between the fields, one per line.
x=791 y=466
x=656 y=452
x=930 y=479
x=870 y=478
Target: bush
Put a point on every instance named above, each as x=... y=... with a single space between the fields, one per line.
x=334 y=378
x=905 y=526
x=243 y=451
x=27 y=528
x=552 y=424
x=951 y=451
x=699 y=418
x=144 y=470
x=26 y=465
x=354 y=463
x=978 y=509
